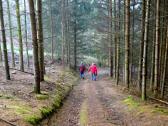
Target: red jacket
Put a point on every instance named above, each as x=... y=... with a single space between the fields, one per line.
x=82 y=68
x=93 y=69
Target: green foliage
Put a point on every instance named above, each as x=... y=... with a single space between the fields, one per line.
x=141 y=107
x=33 y=119
x=3 y=96
x=42 y=96
x=57 y=101
x=161 y=110
x=21 y=109
x=131 y=102
x=45 y=111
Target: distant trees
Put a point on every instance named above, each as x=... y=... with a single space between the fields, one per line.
x=130 y=36
x=139 y=51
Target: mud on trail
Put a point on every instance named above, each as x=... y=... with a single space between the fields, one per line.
x=99 y=103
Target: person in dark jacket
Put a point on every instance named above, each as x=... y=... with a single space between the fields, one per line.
x=82 y=69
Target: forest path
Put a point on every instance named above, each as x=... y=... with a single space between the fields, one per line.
x=87 y=106
x=99 y=103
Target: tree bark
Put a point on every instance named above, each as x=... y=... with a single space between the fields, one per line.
x=127 y=41
x=144 y=59
x=63 y=32
x=4 y=42
x=153 y=63
x=11 y=34
x=26 y=42
x=35 y=47
x=141 y=45
x=52 y=32
x=156 y=48
x=20 y=36
x=165 y=67
x=118 y=44
x=1 y=53
x=110 y=39
x=40 y=40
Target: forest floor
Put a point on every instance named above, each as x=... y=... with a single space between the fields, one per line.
x=19 y=104
x=101 y=103
x=90 y=103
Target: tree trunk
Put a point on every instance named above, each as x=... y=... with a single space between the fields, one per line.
x=35 y=47
x=141 y=45
x=118 y=43
x=144 y=59
x=52 y=32
x=40 y=40
x=75 y=46
x=110 y=39
x=1 y=53
x=67 y=33
x=156 y=48
x=11 y=34
x=20 y=36
x=127 y=42
x=164 y=68
x=63 y=32
x=4 y=42
x=115 y=41
x=26 y=42
x=132 y=43
x=153 y=63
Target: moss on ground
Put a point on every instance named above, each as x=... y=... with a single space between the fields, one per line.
x=142 y=107
x=47 y=78
x=63 y=86
x=5 y=96
x=46 y=111
x=131 y=102
x=160 y=110
x=42 y=96
x=33 y=119
x=43 y=104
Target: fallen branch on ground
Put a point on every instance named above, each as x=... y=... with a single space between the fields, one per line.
x=7 y=122
x=164 y=102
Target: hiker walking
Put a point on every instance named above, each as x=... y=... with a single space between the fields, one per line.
x=82 y=69
x=93 y=69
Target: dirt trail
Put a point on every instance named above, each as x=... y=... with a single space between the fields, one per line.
x=98 y=104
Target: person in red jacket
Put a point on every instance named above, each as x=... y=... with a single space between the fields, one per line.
x=93 y=69
x=82 y=69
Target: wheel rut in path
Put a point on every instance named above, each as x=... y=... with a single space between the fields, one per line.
x=98 y=103
x=68 y=115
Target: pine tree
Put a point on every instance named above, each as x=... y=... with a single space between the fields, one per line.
x=144 y=59
x=26 y=41
x=4 y=42
x=127 y=41
x=11 y=34
x=20 y=36
x=35 y=47
x=40 y=40
x=156 y=48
